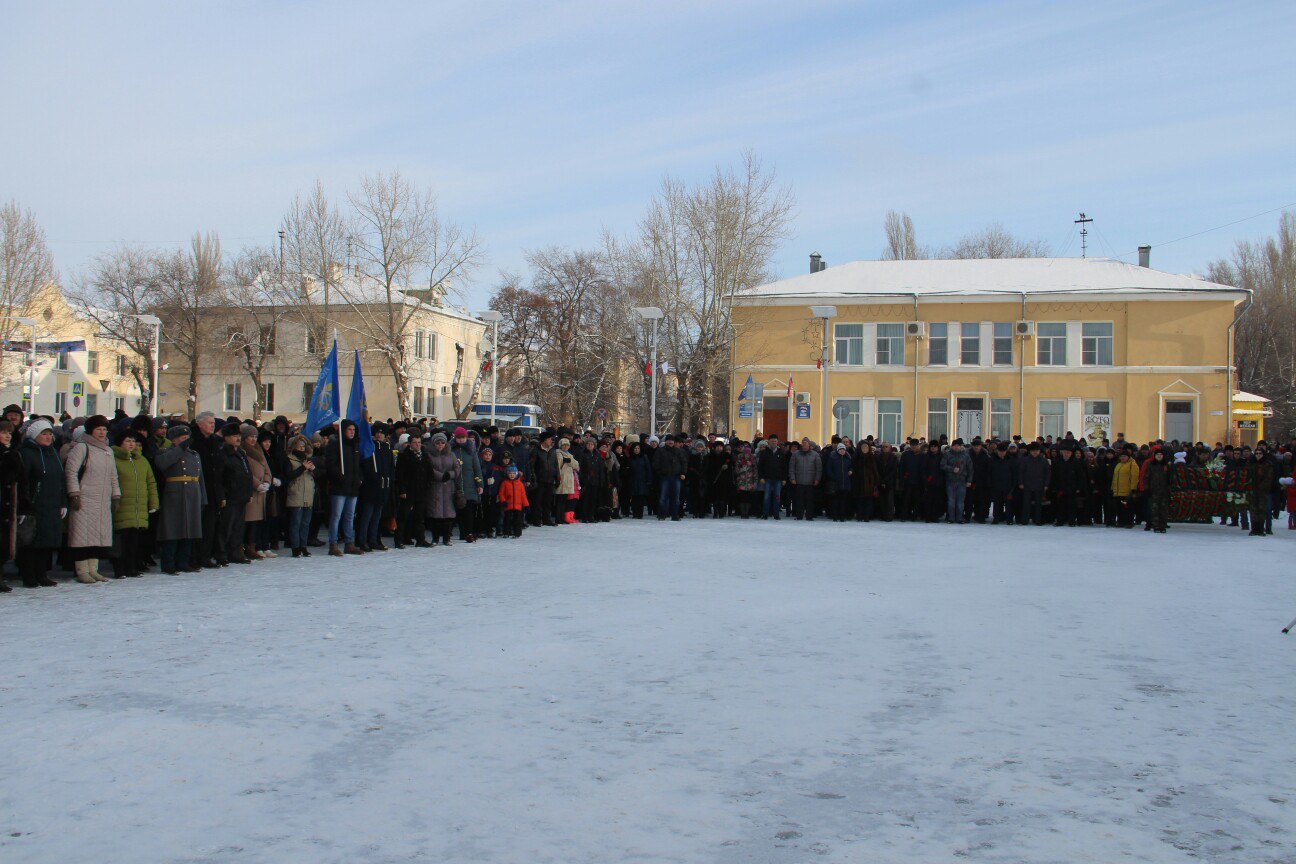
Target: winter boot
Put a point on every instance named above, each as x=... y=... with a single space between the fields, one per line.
x=335 y=550
x=82 y=571
x=352 y=549
x=94 y=570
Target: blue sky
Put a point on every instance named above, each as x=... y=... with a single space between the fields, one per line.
x=544 y=123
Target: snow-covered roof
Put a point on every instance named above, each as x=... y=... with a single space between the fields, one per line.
x=1243 y=396
x=965 y=278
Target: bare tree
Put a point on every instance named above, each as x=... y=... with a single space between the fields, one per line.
x=187 y=287
x=116 y=290
x=398 y=235
x=26 y=266
x=1265 y=341
x=257 y=300
x=701 y=247
x=994 y=241
x=316 y=247
x=902 y=242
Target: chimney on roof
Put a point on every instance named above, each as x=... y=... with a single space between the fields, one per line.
x=1145 y=256
x=817 y=263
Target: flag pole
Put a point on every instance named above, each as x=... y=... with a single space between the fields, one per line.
x=338 y=422
x=791 y=409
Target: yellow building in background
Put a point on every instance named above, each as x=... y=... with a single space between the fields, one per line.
x=1002 y=348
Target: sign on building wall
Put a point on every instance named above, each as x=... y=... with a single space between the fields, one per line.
x=803 y=412
x=1097 y=427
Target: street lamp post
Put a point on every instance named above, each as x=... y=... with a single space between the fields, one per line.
x=824 y=313
x=652 y=314
x=493 y=317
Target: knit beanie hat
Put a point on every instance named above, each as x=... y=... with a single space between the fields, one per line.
x=36 y=427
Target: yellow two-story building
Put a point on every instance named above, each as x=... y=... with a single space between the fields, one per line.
x=1002 y=348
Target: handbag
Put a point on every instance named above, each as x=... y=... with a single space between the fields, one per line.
x=460 y=499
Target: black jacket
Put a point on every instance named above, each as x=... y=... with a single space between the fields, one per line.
x=412 y=474
x=772 y=463
x=343 y=465
x=235 y=476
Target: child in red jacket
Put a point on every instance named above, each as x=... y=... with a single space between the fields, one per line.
x=513 y=498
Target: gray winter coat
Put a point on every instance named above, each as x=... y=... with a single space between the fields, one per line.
x=182 y=495
x=805 y=468
x=441 y=492
x=957 y=466
x=470 y=471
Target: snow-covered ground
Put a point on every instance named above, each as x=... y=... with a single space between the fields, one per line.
x=698 y=692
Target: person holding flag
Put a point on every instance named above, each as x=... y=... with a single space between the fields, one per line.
x=376 y=467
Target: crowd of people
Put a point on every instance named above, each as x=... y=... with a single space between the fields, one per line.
x=128 y=494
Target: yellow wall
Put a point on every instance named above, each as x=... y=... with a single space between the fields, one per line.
x=1160 y=348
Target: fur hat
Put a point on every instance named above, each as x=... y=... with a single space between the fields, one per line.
x=229 y=429
x=96 y=422
x=174 y=432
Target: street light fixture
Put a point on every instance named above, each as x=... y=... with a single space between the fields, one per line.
x=494 y=318
x=652 y=314
x=824 y=313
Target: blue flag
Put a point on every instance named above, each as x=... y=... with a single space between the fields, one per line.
x=358 y=411
x=748 y=393
x=323 y=408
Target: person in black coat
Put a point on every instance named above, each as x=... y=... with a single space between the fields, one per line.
x=772 y=472
x=977 y=505
x=718 y=476
x=235 y=480
x=42 y=506
x=342 y=462
x=12 y=485
x=639 y=479
x=933 y=478
x=544 y=469
x=207 y=444
x=411 y=477
x=1000 y=482
x=888 y=469
x=376 y=474
x=594 y=488
x=913 y=482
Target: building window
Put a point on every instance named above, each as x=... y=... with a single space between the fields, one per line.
x=846 y=417
x=1003 y=339
x=92 y=364
x=431 y=346
x=266 y=335
x=1050 y=345
x=1097 y=421
x=312 y=341
x=267 y=397
x=60 y=362
x=889 y=410
x=60 y=403
x=937 y=418
x=308 y=391
x=937 y=344
x=1052 y=418
x=418 y=396
x=233 y=397
x=92 y=404
x=970 y=344
x=890 y=345
x=119 y=403
x=848 y=342
x=1096 y=344
x=1001 y=419
x=418 y=344
x=122 y=369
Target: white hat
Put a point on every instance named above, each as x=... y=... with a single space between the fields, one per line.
x=36 y=427
x=653 y=439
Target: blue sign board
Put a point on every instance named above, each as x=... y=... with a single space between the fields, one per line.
x=803 y=412
x=745 y=409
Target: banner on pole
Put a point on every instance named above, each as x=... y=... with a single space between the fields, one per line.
x=358 y=411
x=323 y=408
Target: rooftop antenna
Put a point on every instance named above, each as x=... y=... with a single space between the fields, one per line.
x=1084 y=233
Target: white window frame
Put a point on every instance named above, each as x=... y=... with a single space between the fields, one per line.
x=943 y=413
x=60 y=403
x=1041 y=339
x=854 y=418
x=431 y=345
x=891 y=341
x=995 y=339
x=1110 y=339
x=854 y=345
x=942 y=340
x=1007 y=431
x=236 y=390
x=1194 y=398
x=974 y=327
x=119 y=403
x=1040 y=415
x=899 y=421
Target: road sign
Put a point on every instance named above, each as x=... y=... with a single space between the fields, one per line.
x=77 y=388
x=745 y=409
x=601 y=414
x=803 y=412
x=841 y=410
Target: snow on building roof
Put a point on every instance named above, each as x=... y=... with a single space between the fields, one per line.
x=984 y=277
x=1243 y=396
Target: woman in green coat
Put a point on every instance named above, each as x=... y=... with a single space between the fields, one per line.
x=139 y=498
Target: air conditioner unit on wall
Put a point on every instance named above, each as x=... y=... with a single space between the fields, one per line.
x=1025 y=328
x=803 y=398
x=917 y=329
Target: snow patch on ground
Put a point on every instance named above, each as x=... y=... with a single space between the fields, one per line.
x=702 y=691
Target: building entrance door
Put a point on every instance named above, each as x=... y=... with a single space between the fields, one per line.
x=1178 y=420
x=774 y=417
x=970 y=420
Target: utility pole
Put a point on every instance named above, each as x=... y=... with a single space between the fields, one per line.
x=1084 y=234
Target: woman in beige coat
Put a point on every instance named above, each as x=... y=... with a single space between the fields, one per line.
x=568 y=469
x=90 y=475
x=262 y=479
